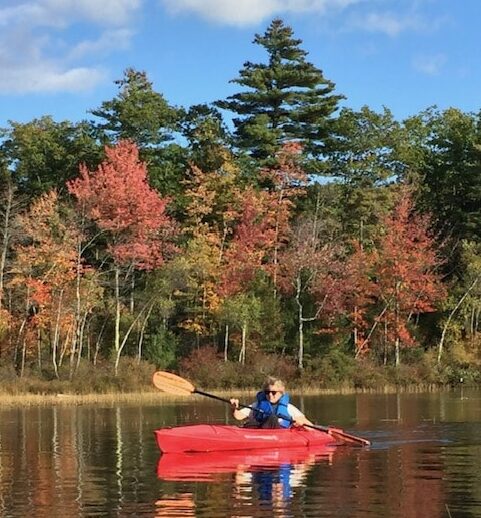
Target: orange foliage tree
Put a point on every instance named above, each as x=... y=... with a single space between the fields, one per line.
x=358 y=292
x=253 y=238
x=208 y=226
x=44 y=273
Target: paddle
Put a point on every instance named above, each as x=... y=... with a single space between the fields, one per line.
x=173 y=384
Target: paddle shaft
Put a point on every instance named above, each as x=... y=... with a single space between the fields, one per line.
x=320 y=428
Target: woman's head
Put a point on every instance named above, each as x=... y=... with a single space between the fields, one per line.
x=273 y=388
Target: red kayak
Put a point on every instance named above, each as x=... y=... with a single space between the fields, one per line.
x=205 y=466
x=205 y=437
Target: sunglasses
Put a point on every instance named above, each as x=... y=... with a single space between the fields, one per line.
x=272 y=392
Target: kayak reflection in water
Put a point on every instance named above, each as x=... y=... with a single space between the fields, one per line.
x=271 y=409
x=274 y=489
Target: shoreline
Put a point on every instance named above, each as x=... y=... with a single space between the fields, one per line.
x=154 y=397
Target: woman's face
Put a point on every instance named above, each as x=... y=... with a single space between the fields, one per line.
x=274 y=393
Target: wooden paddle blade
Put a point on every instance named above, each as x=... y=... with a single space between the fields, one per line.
x=173 y=384
x=342 y=436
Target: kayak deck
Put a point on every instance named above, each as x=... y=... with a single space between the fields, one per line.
x=205 y=438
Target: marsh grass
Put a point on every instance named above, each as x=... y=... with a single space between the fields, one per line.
x=155 y=397
x=333 y=374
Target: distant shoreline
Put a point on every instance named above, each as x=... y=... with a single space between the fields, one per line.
x=153 y=397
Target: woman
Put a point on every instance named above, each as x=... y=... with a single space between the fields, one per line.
x=271 y=409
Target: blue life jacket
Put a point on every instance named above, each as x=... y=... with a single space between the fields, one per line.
x=280 y=409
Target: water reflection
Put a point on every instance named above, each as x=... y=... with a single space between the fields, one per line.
x=103 y=461
x=197 y=467
x=263 y=479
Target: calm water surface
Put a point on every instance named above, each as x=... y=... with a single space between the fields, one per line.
x=425 y=461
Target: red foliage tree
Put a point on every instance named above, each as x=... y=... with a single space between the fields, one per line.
x=119 y=199
x=132 y=215
x=407 y=273
x=358 y=292
x=253 y=238
x=287 y=182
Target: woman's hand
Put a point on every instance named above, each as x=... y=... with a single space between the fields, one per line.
x=301 y=421
x=234 y=403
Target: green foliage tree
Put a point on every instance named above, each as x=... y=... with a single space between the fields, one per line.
x=138 y=113
x=366 y=162
x=448 y=154
x=142 y=115
x=44 y=154
x=207 y=135
x=287 y=98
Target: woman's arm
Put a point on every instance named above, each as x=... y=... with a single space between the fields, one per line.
x=297 y=416
x=238 y=413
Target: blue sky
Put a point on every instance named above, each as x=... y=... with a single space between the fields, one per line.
x=61 y=57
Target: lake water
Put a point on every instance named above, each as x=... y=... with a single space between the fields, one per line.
x=425 y=461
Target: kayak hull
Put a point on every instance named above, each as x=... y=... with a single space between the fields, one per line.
x=205 y=438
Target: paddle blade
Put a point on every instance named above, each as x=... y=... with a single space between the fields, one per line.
x=342 y=436
x=172 y=384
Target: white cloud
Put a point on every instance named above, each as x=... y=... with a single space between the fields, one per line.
x=246 y=12
x=46 y=78
x=430 y=65
x=61 y=13
x=41 y=49
x=108 y=41
x=388 y=23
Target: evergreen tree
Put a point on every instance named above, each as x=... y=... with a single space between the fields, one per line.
x=138 y=113
x=206 y=134
x=288 y=98
x=142 y=115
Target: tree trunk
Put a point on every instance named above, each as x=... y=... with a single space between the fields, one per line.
x=76 y=340
x=300 y=313
x=226 y=342
x=117 y=315
x=7 y=211
x=242 y=354
x=451 y=315
x=56 y=335
x=125 y=338
x=300 y=360
x=142 y=332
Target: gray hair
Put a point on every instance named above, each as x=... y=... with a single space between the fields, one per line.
x=272 y=380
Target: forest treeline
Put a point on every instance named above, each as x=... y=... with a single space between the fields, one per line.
x=332 y=246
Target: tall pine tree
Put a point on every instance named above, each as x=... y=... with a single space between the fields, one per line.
x=287 y=99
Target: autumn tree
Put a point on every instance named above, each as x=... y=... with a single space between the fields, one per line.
x=10 y=205
x=44 y=273
x=252 y=240
x=131 y=215
x=286 y=183
x=407 y=272
x=207 y=227
x=358 y=292
x=306 y=272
